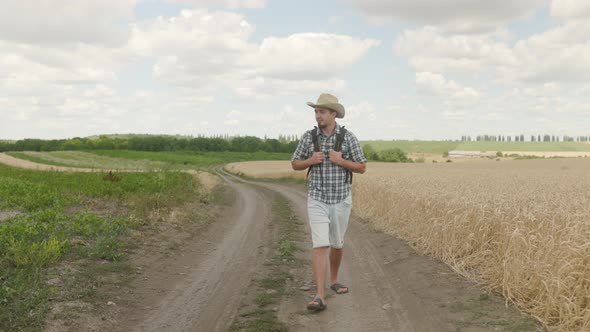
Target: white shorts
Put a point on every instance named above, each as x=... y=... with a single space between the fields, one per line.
x=328 y=222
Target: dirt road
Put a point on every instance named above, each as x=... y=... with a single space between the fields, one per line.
x=214 y=272
x=199 y=287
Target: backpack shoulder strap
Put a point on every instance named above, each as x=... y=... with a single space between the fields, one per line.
x=338 y=147
x=316 y=145
x=314 y=139
x=339 y=139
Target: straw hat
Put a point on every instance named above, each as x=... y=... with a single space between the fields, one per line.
x=326 y=100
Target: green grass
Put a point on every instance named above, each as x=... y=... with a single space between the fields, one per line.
x=259 y=320
x=195 y=159
x=140 y=160
x=57 y=224
x=439 y=147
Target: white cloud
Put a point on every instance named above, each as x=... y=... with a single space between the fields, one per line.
x=211 y=50
x=70 y=82
x=367 y=121
x=233 y=118
x=231 y=4
x=193 y=33
x=558 y=55
x=286 y=120
x=428 y=49
x=561 y=54
x=45 y=70
x=453 y=93
x=309 y=55
x=266 y=88
x=452 y=15
x=570 y=9
x=70 y=21
x=53 y=52
x=362 y=111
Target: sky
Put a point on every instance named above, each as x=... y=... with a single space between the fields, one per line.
x=403 y=69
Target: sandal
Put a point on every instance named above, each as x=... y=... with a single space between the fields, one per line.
x=316 y=305
x=339 y=288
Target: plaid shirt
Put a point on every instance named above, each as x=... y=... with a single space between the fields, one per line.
x=329 y=182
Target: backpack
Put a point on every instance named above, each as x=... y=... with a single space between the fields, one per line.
x=337 y=147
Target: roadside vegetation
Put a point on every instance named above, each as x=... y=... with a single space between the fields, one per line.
x=58 y=230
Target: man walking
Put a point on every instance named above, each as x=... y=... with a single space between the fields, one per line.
x=332 y=153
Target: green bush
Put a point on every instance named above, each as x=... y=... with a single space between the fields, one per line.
x=370 y=153
x=395 y=155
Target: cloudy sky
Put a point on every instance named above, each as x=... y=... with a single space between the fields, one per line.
x=404 y=69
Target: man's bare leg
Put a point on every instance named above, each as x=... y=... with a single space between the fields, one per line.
x=319 y=271
x=335 y=260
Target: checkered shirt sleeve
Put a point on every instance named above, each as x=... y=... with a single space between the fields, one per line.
x=304 y=149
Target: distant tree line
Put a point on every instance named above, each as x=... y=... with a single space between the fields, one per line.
x=157 y=143
x=521 y=138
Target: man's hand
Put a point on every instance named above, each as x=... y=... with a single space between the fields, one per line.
x=336 y=157
x=317 y=158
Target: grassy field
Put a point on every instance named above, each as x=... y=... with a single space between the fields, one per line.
x=439 y=147
x=66 y=226
x=139 y=160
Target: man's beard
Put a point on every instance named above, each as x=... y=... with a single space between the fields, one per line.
x=322 y=126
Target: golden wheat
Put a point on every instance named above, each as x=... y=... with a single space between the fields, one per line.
x=521 y=227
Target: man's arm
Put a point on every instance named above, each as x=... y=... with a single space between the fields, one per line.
x=316 y=158
x=353 y=166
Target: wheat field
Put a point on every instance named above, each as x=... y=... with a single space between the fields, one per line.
x=520 y=228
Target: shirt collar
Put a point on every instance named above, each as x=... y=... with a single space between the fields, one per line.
x=334 y=132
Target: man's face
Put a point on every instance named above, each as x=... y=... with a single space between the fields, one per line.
x=324 y=117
